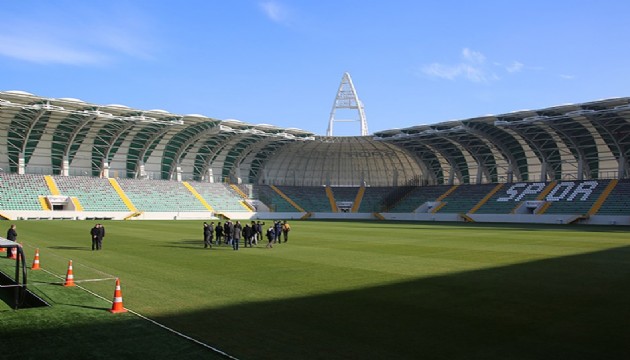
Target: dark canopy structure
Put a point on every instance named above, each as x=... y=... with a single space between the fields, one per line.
x=577 y=141
x=71 y=137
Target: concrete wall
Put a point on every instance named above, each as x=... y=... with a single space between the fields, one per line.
x=422 y=217
x=242 y=215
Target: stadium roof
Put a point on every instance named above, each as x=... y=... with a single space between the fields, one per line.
x=572 y=141
x=70 y=136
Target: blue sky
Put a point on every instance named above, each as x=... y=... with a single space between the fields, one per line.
x=280 y=61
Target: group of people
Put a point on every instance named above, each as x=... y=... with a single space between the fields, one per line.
x=231 y=233
x=276 y=230
x=97 y=233
x=228 y=233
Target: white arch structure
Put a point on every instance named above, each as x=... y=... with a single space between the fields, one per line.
x=347 y=98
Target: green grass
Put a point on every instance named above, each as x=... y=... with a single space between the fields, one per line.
x=337 y=290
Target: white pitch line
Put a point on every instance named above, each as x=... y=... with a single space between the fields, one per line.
x=220 y=352
x=51 y=252
x=75 y=281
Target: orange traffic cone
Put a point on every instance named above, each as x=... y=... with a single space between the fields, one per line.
x=36 y=261
x=69 y=276
x=117 y=306
x=13 y=253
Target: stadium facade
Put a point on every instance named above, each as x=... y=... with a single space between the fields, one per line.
x=69 y=137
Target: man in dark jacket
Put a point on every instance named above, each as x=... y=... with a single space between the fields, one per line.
x=219 y=231
x=101 y=235
x=277 y=230
x=247 y=235
x=208 y=232
x=227 y=232
x=11 y=235
x=94 y=235
x=270 y=236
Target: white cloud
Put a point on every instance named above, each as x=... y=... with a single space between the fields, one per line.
x=58 y=41
x=442 y=71
x=45 y=51
x=473 y=56
x=567 y=77
x=472 y=68
x=514 y=67
x=275 y=11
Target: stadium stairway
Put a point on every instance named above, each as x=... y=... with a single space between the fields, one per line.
x=358 y=199
x=442 y=197
x=617 y=201
x=288 y=199
x=603 y=197
x=485 y=199
x=52 y=186
x=77 y=203
x=417 y=197
x=331 y=199
x=243 y=202
x=122 y=195
x=197 y=196
x=378 y=216
x=43 y=202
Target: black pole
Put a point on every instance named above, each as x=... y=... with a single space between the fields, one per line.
x=20 y=290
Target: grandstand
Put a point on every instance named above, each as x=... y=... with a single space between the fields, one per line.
x=65 y=158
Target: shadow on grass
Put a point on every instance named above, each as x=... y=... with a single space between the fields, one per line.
x=88 y=307
x=573 y=307
x=430 y=225
x=61 y=247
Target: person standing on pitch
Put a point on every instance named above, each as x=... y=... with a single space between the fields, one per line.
x=227 y=232
x=101 y=235
x=277 y=230
x=285 y=231
x=219 y=231
x=259 y=231
x=270 y=236
x=94 y=231
x=236 y=235
x=247 y=235
x=11 y=235
x=207 y=235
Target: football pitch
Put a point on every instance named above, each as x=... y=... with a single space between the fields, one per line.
x=336 y=290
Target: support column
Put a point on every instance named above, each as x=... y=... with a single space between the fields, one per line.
x=237 y=175
x=479 y=174
x=105 y=172
x=21 y=164
x=580 y=169
x=178 y=170
x=141 y=172
x=65 y=166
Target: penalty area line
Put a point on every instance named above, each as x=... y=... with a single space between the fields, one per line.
x=209 y=347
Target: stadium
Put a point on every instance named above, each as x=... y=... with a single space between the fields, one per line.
x=441 y=233
x=64 y=158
